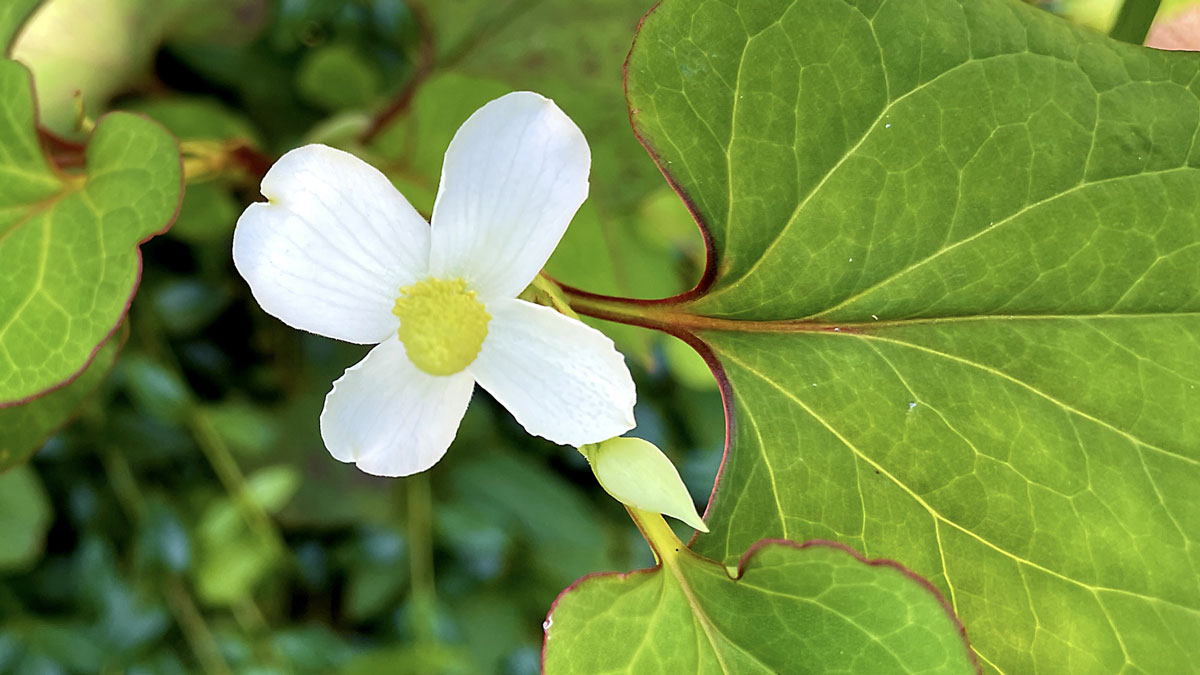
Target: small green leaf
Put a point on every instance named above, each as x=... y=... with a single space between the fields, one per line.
x=13 y=14
x=231 y=559
x=816 y=608
x=24 y=428
x=25 y=516
x=69 y=258
x=337 y=77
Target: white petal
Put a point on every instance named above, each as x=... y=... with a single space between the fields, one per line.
x=390 y=418
x=331 y=249
x=561 y=379
x=514 y=176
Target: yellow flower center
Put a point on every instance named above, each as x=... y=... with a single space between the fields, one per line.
x=442 y=325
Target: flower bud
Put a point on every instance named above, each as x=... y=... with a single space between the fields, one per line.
x=636 y=473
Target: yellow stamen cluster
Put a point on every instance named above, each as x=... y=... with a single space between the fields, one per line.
x=442 y=325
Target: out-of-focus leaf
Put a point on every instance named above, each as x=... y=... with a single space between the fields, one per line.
x=246 y=428
x=687 y=365
x=312 y=648
x=232 y=560
x=378 y=570
x=413 y=660
x=338 y=77
x=186 y=305
x=197 y=119
x=550 y=513
x=157 y=390
x=1102 y=14
x=25 y=516
x=13 y=14
x=413 y=146
x=208 y=214
x=24 y=428
x=163 y=540
x=50 y=647
x=93 y=47
x=492 y=625
x=227 y=22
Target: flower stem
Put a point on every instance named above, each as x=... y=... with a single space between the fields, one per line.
x=1133 y=21
x=658 y=534
x=420 y=559
x=546 y=291
x=225 y=466
x=183 y=607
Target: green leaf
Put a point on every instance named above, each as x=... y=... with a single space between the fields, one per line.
x=816 y=608
x=13 y=14
x=338 y=77
x=231 y=559
x=24 y=428
x=69 y=258
x=25 y=516
x=954 y=299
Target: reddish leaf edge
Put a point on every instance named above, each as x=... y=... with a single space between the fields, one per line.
x=46 y=145
x=424 y=67
x=121 y=335
x=744 y=562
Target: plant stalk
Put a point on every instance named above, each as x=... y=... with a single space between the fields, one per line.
x=1133 y=21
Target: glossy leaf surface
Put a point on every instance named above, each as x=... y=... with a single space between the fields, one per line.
x=954 y=293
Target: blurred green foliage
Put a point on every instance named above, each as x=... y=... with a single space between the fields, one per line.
x=189 y=520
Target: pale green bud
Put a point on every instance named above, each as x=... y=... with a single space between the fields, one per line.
x=636 y=473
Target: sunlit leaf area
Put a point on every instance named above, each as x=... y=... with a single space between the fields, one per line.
x=907 y=293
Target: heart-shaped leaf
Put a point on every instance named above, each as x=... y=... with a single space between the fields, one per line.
x=953 y=297
x=790 y=608
x=69 y=260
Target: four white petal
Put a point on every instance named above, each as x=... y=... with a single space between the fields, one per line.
x=331 y=250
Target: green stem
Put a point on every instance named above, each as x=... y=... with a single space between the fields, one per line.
x=210 y=442
x=1133 y=22
x=546 y=291
x=225 y=466
x=183 y=607
x=420 y=559
x=195 y=630
x=659 y=535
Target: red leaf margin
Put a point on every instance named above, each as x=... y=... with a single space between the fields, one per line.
x=707 y=277
x=49 y=142
x=744 y=562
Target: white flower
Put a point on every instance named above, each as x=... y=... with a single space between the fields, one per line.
x=337 y=251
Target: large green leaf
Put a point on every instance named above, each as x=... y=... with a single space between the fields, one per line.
x=954 y=300
x=816 y=608
x=69 y=258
